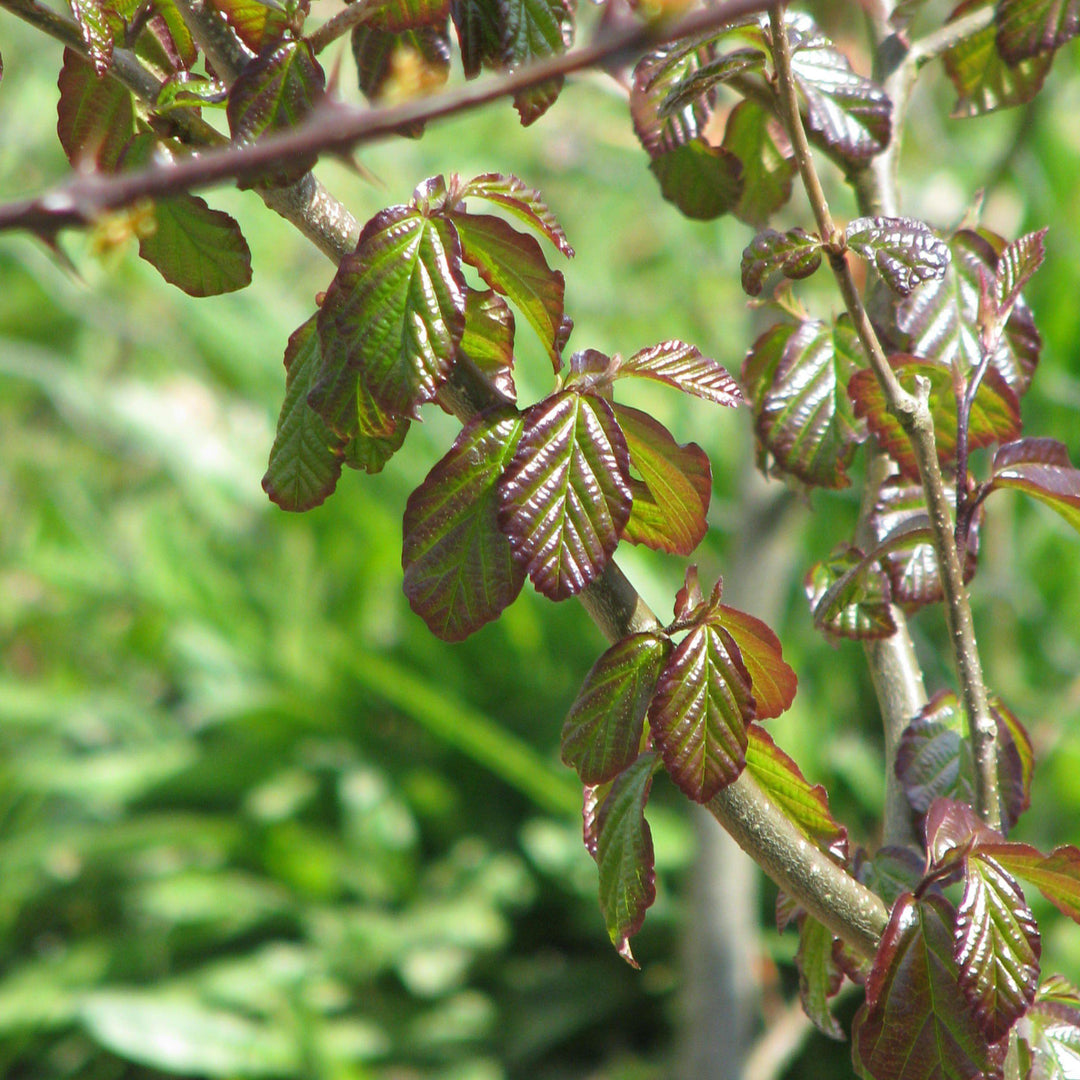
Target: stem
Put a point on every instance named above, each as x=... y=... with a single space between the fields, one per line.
x=913 y=413
x=340 y=25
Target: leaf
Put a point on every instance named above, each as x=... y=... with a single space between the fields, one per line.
x=995 y=414
x=524 y=202
x=703 y=181
x=805 y=805
x=1040 y=468
x=850 y=599
x=915 y=1023
x=390 y=324
x=99 y=26
x=905 y=252
x=459 y=569
x=996 y=946
x=894 y=870
x=400 y=15
x=534 y=30
x=512 y=263
x=772 y=681
x=189 y=91
x=199 y=250
x=383 y=56
x=479 y=32
x=699 y=82
x=602 y=733
x=796 y=379
x=1057 y=875
x=669 y=508
x=369 y=453
x=1027 y=28
x=655 y=77
x=488 y=339
x=95 y=116
x=565 y=496
x=984 y=81
x=756 y=138
x=699 y=715
x=683 y=367
x=1051 y=1031
x=274 y=92
x=624 y=854
x=305 y=461
x=259 y=25
x=819 y=977
x=1016 y=266
x=795 y=254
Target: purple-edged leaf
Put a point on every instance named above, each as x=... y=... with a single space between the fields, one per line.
x=99 y=27
x=187 y=90
x=892 y=871
x=565 y=496
x=672 y=498
x=276 y=91
x=479 y=32
x=703 y=181
x=258 y=25
x=1057 y=875
x=534 y=30
x=655 y=76
x=806 y=805
x=819 y=977
x=512 y=263
x=1050 y=1034
x=850 y=598
x=905 y=252
x=995 y=414
x=305 y=461
x=1041 y=468
x=95 y=116
x=1016 y=266
x=624 y=853
x=757 y=139
x=690 y=605
x=602 y=733
x=699 y=715
x=488 y=339
x=520 y=200
x=795 y=254
x=997 y=947
x=459 y=569
x=1026 y=28
x=168 y=38
x=397 y=15
x=370 y=453
x=390 y=324
x=682 y=366
x=983 y=79
x=698 y=83
x=915 y=1023
x=772 y=681
x=796 y=379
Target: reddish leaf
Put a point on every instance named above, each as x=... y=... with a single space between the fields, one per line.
x=1027 y=28
x=905 y=252
x=520 y=200
x=258 y=25
x=99 y=27
x=95 y=116
x=699 y=715
x=668 y=513
x=819 y=977
x=1040 y=468
x=1016 y=266
x=369 y=453
x=850 y=597
x=1057 y=875
x=655 y=77
x=795 y=254
x=690 y=605
x=682 y=366
x=479 y=32
x=756 y=138
x=772 y=681
x=1050 y=1034
x=398 y=15
x=534 y=30
x=699 y=81
x=565 y=496
x=488 y=339
x=459 y=569
x=602 y=733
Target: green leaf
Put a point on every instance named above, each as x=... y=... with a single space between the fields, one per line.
x=699 y=715
x=488 y=339
x=186 y=90
x=399 y=15
x=757 y=139
x=95 y=116
x=670 y=507
x=459 y=568
x=624 y=854
x=305 y=461
x=819 y=977
x=369 y=453
x=378 y=53
x=276 y=91
x=390 y=324
x=699 y=81
x=1026 y=28
x=602 y=733
x=850 y=598
x=1016 y=265
x=258 y=24
x=1051 y=1032
x=170 y=36
x=99 y=27
x=703 y=181
x=520 y=200
x=479 y=32
x=796 y=379
x=983 y=79
x=915 y=1023
x=534 y=30
x=1057 y=875
x=199 y=250
x=512 y=263
x=1040 y=468
x=565 y=496
x=683 y=367
x=771 y=679
x=905 y=252
x=795 y=254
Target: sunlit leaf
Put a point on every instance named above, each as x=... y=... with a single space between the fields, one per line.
x=187 y=90
x=669 y=507
x=171 y=36
x=795 y=254
x=369 y=453
x=565 y=496
x=1016 y=266
x=1026 y=28
x=1040 y=468
x=1051 y=1032
x=772 y=681
x=849 y=598
x=655 y=77
x=1057 y=875
x=703 y=181
x=699 y=81
x=757 y=139
x=819 y=977
x=602 y=733
x=905 y=252
x=520 y=200
x=534 y=30
x=488 y=339
x=258 y=25
x=95 y=116
x=99 y=27
x=684 y=367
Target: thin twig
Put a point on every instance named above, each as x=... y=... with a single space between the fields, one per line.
x=340 y=25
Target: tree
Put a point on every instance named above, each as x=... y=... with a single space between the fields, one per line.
x=925 y=366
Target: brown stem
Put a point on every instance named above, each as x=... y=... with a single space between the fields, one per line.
x=340 y=25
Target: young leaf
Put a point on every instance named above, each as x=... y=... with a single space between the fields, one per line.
x=488 y=339
x=668 y=513
x=512 y=263
x=390 y=324
x=682 y=366
x=771 y=679
x=624 y=854
x=905 y=252
x=1057 y=875
x=655 y=77
x=479 y=32
x=849 y=598
x=1027 y=28
x=915 y=1023
x=1040 y=468
x=795 y=254
x=95 y=116
x=459 y=569
x=520 y=200
x=699 y=715
x=99 y=27
x=796 y=379
x=565 y=496
x=259 y=25
x=1016 y=266
x=370 y=453
x=602 y=733
x=398 y=15
x=698 y=83
x=384 y=61
x=305 y=461
x=703 y=181
x=1051 y=1032
x=534 y=30
x=757 y=139
x=819 y=977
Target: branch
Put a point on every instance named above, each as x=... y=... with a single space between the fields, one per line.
x=913 y=413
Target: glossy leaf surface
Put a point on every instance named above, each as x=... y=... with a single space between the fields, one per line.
x=488 y=339
x=534 y=30
x=849 y=598
x=95 y=116
x=1051 y=1032
x=1040 y=468
x=99 y=27
x=905 y=252
x=1026 y=28
x=520 y=200
x=703 y=181
x=683 y=367
x=795 y=254
x=459 y=568
x=479 y=32
x=772 y=681
x=258 y=25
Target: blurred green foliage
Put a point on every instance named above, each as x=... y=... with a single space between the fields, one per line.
x=254 y=820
